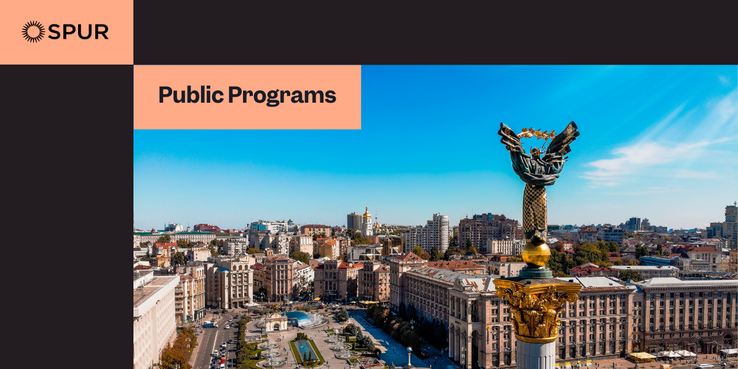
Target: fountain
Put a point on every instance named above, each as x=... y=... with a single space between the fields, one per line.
x=272 y=360
x=266 y=345
x=331 y=338
x=345 y=351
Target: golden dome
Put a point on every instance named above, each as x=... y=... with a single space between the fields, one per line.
x=366 y=214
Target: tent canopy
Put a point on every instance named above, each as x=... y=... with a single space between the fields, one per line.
x=731 y=351
x=685 y=353
x=642 y=357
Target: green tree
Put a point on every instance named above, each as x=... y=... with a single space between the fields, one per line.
x=301 y=256
x=164 y=239
x=625 y=275
x=252 y=251
x=417 y=250
x=178 y=259
x=454 y=241
x=469 y=243
x=183 y=244
x=434 y=254
x=641 y=251
x=471 y=249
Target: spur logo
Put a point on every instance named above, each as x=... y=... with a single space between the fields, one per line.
x=34 y=31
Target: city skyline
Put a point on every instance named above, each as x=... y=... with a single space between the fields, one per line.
x=657 y=142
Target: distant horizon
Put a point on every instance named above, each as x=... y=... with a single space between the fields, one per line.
x=657 y=142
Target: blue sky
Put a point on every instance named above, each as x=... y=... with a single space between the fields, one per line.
x=657 y=142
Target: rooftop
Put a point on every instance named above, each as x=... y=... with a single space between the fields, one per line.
x=676 y=282
x=141 y=294
x=453 y=265
x=643 y=267
x=443 y=275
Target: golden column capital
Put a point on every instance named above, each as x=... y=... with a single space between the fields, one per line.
x=535 y=305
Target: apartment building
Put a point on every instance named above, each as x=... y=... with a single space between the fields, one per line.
x=649 y=271
x=302 y=243
x=481 y=228
x=504 y=247
x=399 y=265
x=336 y=280
x=154 y=324
x=316 y=229
x=461 y=266
x=598 y=326
x=697 y=315
x=373 y=282
x=279 y=278
x=434 y=234
x=229 y=282
x=189 y=299
x=428 y=291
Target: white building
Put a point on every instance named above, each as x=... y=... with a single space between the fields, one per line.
x=505 y=247
x=366 y=224
x=235 y=245
x=649 y=271
x=154 y=325
x=303 y=275
x=434 y=234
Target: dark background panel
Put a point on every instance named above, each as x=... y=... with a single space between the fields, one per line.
x=67 y=133
x=173 y=32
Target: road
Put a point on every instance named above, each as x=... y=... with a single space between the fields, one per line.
x=212 y=338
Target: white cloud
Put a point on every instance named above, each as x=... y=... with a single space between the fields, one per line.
x=684 y=173
x=724 y=80
x=649 y=155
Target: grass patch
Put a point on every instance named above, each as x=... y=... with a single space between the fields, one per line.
x=329 y=330
x=309 y=364
x=353 y=361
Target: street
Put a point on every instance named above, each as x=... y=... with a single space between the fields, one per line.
x=211 y=339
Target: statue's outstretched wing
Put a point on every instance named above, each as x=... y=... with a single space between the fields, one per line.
x=560 y=144
x=510 y=139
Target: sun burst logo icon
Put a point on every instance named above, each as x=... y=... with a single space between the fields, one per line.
x=33 y=31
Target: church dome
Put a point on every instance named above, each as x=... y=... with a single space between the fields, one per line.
x=366 y=214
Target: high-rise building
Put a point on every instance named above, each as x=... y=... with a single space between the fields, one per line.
x=485 y=227
x=730 y=227
x=353 y=221
x=633 y=224
x=433 y=234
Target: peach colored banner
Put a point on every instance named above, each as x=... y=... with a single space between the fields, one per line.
x=66 y=32
x=247 y=97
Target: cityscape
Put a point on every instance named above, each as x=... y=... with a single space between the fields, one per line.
x=404 y=243
x=645 y=288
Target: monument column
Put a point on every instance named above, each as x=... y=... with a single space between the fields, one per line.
x=535 y=298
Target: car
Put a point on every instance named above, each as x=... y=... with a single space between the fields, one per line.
x=230 y=320
x=215 y=352
x=228 y=326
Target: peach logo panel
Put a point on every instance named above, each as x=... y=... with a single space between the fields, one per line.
x=67 y=32
x=247 y=97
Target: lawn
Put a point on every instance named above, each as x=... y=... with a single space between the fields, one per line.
x=298 y=358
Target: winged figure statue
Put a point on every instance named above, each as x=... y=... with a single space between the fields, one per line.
x=534 y=169
x=537 y=172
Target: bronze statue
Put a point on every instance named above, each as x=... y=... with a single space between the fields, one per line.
x=537 y=172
